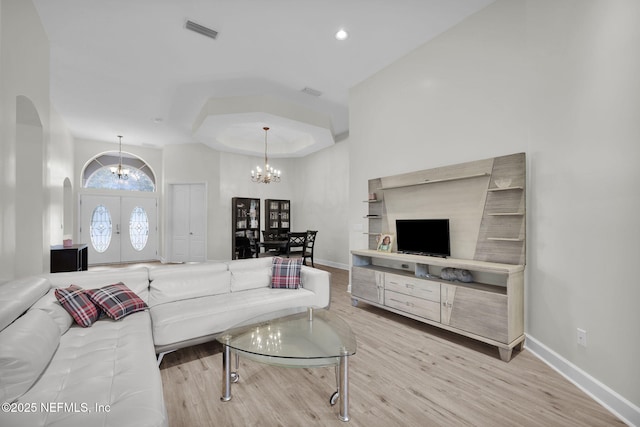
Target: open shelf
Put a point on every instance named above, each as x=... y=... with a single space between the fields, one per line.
x=372 y=201
x=435 y=181
x=489 y=308
x=506 y=214
x=504 y=239
x=505 y=188
x=373 y=216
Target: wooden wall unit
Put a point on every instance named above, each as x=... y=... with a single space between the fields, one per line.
x=488 y=238
x=487 y=223
x=489 y=309
x=245 y=226
x=277 y=216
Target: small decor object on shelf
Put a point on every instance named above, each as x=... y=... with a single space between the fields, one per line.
x=453 y=274
x=385 y=242
x=503 y=182
x=67 y=242
x=372 y=196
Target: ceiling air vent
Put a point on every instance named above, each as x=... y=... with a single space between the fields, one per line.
x=200 y=29
x=310 y=91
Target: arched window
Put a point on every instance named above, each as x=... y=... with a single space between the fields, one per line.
x=97 y=173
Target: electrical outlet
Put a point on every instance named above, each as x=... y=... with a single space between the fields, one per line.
x=405 y=265
x=582 y=337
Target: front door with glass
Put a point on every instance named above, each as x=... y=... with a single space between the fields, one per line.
x=119 y=229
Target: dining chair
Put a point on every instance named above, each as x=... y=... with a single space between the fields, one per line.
x=296 y=244
x=243 y=247
x=307 y=251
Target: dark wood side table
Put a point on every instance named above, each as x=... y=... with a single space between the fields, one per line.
x=69 y=258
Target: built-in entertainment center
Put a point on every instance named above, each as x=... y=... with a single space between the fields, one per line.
x=458 y=256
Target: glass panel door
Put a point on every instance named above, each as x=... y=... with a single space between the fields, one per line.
x=119 y=229
x=100 y=228
x=140 y=221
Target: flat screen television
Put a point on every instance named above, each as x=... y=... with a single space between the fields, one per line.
x=423 y=236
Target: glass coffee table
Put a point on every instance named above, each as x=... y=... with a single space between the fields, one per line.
x=302 y=337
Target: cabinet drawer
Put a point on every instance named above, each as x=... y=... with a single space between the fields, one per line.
x=413 y=286
x=410 y=304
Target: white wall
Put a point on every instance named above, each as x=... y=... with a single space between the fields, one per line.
x=305 y=182
x=584 y=200
x=24 y=71
x=60 y=166
x=558 y=80
x=235 y=172
x=194 y=164
x=315 y=184
x=321 y=202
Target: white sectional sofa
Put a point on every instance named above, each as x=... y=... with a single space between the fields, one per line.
x=190 y=305
x=55 y=373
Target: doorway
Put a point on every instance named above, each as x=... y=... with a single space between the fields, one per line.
x=188 y=223
x=119 y=229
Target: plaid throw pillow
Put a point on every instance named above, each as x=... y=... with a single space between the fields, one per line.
x=117 y=300
x=78 y=304
x=286 y=273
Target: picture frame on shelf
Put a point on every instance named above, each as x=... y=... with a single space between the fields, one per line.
x=384 y=242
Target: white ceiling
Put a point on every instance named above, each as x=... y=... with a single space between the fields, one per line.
x=123 y=67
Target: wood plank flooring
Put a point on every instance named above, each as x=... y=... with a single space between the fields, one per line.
x=404 y=373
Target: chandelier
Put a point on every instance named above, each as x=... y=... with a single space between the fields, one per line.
x=269 y=174
x=119 y=171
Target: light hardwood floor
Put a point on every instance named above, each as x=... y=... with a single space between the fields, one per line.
x=404 y=373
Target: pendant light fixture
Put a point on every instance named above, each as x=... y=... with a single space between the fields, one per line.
x=269 y=174
x=120 y=172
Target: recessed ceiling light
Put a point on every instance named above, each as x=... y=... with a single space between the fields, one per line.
x=342 y=34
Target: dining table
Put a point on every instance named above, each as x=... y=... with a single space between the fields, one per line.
x=273 y=244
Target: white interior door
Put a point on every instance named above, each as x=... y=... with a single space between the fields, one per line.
x=197 y=223
x=188 y=223
x=119 y=229
x=180 y=223
x=139 y=236
x=100 y=228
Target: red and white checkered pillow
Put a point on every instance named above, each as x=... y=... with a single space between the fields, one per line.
x=286 y=273
x=117 y=301
x=78 y=304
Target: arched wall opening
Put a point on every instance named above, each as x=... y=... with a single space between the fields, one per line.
x=30 y=189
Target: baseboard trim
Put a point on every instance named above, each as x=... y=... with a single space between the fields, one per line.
x=611 y=400
x=331 y=264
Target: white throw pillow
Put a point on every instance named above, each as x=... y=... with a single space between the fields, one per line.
x=26 y=347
